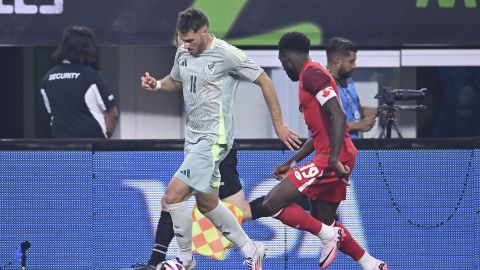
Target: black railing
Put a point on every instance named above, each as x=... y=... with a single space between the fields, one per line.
x=244 y=144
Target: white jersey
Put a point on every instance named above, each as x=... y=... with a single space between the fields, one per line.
x=209 y=82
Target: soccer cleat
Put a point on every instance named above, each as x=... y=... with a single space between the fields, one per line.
x=256 y=262
x=141 y=266
x=176 y=264
x=330 y=248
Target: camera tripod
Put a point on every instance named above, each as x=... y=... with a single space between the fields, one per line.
x=387 y=125
x=389 y=121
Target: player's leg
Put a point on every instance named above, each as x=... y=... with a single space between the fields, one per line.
x=163 y=236
x=224 y=220
x=234 y=194
x=324 y=208
x=221 y=217
x=238 y=199
x=306 y=180
x=231 y=190
x=227 y=224
x=193 y=176
x=326 y=212
x=278 y=203
x=176 y=198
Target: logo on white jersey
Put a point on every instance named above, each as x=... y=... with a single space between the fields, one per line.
x=210 y=68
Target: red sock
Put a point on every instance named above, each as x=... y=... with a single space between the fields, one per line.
x=295 y=216
x=348 y=245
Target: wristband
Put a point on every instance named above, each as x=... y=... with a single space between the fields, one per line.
x=158 y=86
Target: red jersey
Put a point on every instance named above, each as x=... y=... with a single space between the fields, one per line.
x=315 y=88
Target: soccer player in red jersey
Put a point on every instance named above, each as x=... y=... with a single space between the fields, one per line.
x=325 y=178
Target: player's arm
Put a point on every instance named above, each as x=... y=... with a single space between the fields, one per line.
x=318 y=84
x=284 y=133
x=364 y=125
x=166 y=84
x=107 y=104
x=338 y=124
x=306 y=149
x=111 y=117
x=367 y=122
x=368 y=111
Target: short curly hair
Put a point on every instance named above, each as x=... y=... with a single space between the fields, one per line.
x=339 y=45
x=191 y=19
x=294 y=41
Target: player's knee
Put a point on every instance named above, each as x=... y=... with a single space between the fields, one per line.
x=164 y=204
x=167 y=199
x=205 y=208
x=170 y=198
x=206 y=204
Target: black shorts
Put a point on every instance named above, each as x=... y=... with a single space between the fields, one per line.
x=230 y=179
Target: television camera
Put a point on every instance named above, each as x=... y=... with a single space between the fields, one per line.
x=388 y=108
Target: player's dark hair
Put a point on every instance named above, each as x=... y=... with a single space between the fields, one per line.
x=77 y=46
x=339 y=45
x=294 y=41
x=191 y=19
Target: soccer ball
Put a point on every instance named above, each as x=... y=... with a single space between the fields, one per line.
x=170 y=265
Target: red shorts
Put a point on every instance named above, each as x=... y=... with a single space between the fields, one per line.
x=318 y=182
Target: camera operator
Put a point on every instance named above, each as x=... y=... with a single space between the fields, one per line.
x=341 y=55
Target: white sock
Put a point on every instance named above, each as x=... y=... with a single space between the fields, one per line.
x=182 y=226
x=226 y=223
x=326 y=232
x=367 y=262
x=248 y=250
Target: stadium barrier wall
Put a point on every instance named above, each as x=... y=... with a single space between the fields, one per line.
x=95 y=203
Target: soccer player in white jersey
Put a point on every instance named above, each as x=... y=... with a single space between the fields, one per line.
x=201 y=68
